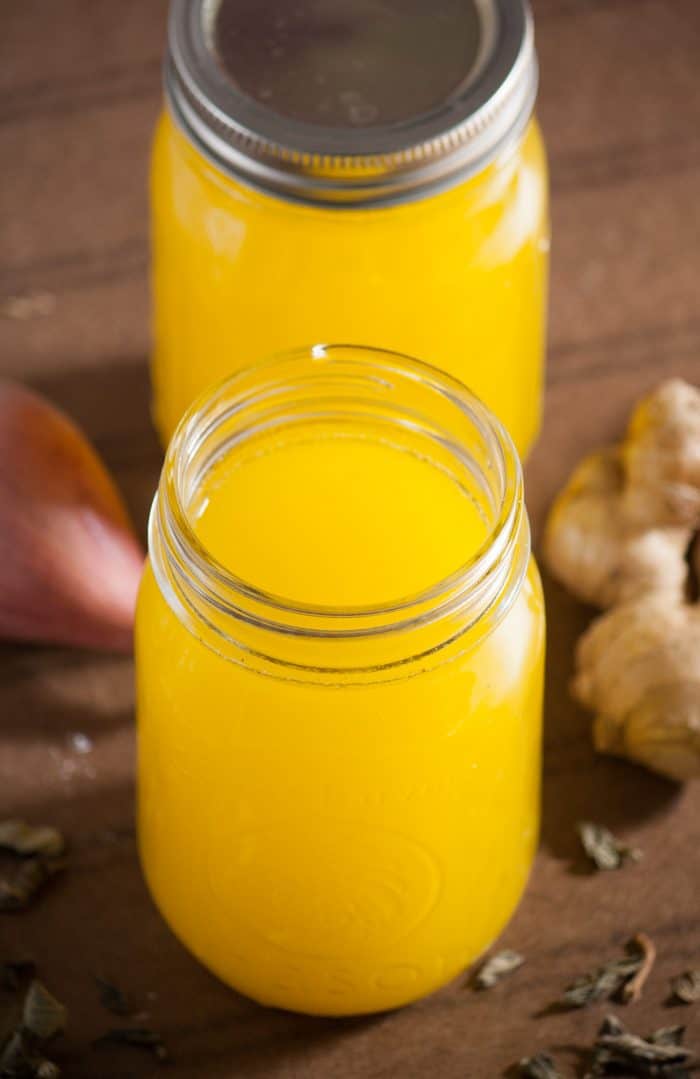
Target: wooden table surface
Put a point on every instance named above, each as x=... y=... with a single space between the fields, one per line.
x=620 y=105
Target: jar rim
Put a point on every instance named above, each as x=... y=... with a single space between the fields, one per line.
x=489 y=579
x=353 y=166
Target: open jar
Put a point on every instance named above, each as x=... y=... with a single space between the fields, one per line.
x=339 y=649
x=358 y=171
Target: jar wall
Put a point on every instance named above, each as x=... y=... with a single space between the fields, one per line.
x=458 y=276
x=338 y=849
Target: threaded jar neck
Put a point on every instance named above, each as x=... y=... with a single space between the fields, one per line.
x=344 y=388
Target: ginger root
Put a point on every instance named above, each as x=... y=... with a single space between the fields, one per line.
x=618 y=537
x=662 y=456
x=601 y=550
x=638 y=670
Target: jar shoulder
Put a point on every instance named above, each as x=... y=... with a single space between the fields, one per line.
x=176 y=161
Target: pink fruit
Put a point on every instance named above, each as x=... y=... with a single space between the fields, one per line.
x=70 y=563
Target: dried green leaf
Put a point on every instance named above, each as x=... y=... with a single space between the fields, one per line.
x=541 y=1066
x=35 y=1019
x=601 y=984
x=22 y=838
x=611 y=1025
x=43 y=1016
x=604 y=849
x=22 y=1058
x=668 y=1036
x=20 y=890
x=631 y=1050
x=17 y=1057
x=612 y=979
x=113 y=999
x=496 y=968
x=686 y=987
x=48 y=1070
x=616 y=1048
x=140 y=1037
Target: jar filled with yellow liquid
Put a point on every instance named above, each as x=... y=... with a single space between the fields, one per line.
x=339 y=649
x=351 y=170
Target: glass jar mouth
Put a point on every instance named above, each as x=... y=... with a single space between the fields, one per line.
x=272 y=633
x=259 y=385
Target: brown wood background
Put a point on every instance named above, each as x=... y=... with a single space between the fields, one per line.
x=620 y=104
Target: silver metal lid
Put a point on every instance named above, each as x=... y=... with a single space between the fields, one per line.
x=351 y=101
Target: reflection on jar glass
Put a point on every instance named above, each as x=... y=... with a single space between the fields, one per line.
x=340 y=657
x=366 y=172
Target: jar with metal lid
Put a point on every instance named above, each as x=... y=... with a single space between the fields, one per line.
x=364 y=171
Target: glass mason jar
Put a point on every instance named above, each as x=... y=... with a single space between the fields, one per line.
x=338 y=804
x=364 y=171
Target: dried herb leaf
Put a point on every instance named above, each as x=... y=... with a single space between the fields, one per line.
x=611 y=1025
x=22 y=838
x=540 y=1066
x=686 y=987
x=497 y=967
x=41 y=847
x=140 y=1037
x=616 y=1048
x=20 y=890
x=604 y=849
x=668 y=1036
x=42 y=1016
x=113 y=999
x=48 y=1070
x=612 y=979
x=17 y=1060
x=39 y=1018
x=600 y=984
x=22 y=1059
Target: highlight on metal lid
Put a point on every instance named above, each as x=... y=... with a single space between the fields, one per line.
x=351 y=101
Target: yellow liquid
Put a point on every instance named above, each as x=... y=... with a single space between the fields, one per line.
x=342 y=540
x=457 y=277
x=345 y=847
